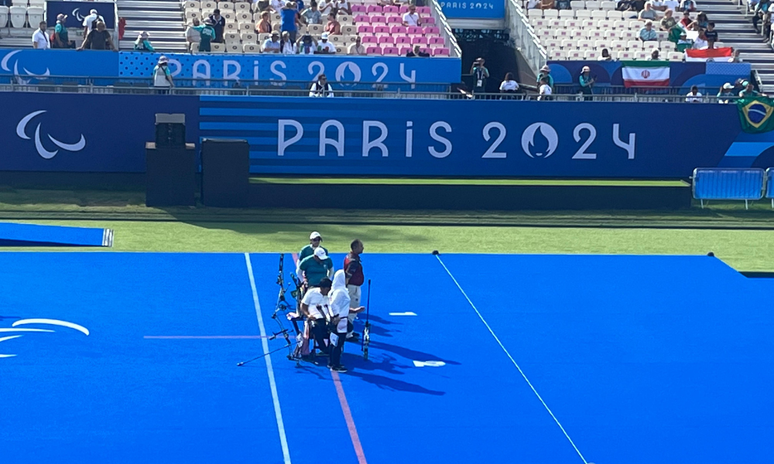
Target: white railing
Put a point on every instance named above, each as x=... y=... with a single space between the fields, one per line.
x=444 y=27
x=524 y=37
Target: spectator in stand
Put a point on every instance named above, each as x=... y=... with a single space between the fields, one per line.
x=287 y=45
x=686 y=21
x=760 y=11
x=711 y=35
x=480 y=75
x=605 y=56
x=357 y=48
x=193 y=36
x=98 y=39
x=668 y=21
x=726 y=93
x=545 y=71
x=411 y=17
x=735 y=58
x=142 y=44
x=417 y=52
x=275 y=6
x=162 y=78
x=306 y=45
x=648 y=14
x=219 y=24
x=671 y=5
x=702 y=22
x=289 y=19
x=264 y=25
x=206 y=35
x=654 y=56
x=509 y=84
x=388 y=3
x=647 y=33
x=688 y=6
x=321 y=88
x=544 y=89
x=272 y=44
x=89 y=22
x=675 y=33
x=749 y=90
x=626 y=5
x=61 y=36
x=326 y=7
x=325 y=47
x=683 y=43
x=342 y=6
x=40 y=39
x=547 y=4
x=701 y=42
x=586 y=82
x=312 y=14
x=694 y=96
x=333 y=27
x=767 y=18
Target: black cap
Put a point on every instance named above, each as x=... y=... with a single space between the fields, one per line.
x=326 y=283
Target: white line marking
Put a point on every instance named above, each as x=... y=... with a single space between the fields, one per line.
x=407 y=313
x=269 y=368
x=71 y=325
x=497 y=339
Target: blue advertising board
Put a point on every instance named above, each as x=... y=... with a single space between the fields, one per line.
x=77 y=11
x=385 y=137
x=30 y=64
x=473 y=9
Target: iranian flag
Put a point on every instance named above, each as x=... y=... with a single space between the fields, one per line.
x=717 y=54
x=645 y=73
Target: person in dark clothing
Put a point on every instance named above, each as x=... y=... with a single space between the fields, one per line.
x=353 y=269
x=417 y=52
x=219 y=24
x=98 y=39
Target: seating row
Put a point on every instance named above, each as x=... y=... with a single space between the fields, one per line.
x=579 y=14
x=586 y=55
x=395 y=19
x=245 y=16
x=605 y=24
x=345 y=40
x=546 y=34
x=21 y=16
x=247 y=6
x=370 y=50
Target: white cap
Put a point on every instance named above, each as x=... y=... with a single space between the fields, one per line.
x=163 y=59
x=320 y=253
x=324 y=36
x=93 y=12
x=315 y=235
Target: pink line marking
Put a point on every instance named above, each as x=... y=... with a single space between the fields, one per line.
x=348 y=418
x=203 y=337
x=295 y=258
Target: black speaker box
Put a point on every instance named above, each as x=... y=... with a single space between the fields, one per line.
x=170 y=175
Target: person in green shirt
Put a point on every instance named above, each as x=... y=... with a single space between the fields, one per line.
x=142 y=44
x=545 y=72
x=316 y=267
x=61 y=37
x=749 y=90
x=207 y=33
x=314 y=241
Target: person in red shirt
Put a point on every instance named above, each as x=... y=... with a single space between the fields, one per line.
x=355 y=279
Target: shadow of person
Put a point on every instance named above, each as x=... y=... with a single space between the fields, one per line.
x=408 y=353
x=387 y=383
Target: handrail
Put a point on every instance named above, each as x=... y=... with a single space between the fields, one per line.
x=447 y=32
x=524 y=36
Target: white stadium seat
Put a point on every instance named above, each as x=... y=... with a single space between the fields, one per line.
x=574 y=55
x=577 y=5
x=3 y=16
x=18 y=16
x=566 y=14
x=634 y=45
x=614 y=14
x=642 y=55
x=667 y=46
x=35 y=15
x=599 y=14
x=624 y=55
x=608 y=5
x=557 y=54
x=618 y=45
x=581 y=14
x=600 y=44
x=551 y=13
x=675 y=56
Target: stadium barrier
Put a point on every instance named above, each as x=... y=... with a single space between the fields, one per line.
x=384 y=137
x=728 y=184
x=770 y=185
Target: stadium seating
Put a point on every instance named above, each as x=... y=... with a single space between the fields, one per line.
x=3 y=16
x=728 y=184
x=380 y=28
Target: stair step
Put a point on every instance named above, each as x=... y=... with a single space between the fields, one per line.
x=156 y=36
x=149 y=5
x=151 y=15
x=168 y=25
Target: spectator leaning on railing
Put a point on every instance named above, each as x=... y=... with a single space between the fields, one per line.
x=694 y=96
x=162 y=78
x=509 y=84
x=321 y=87
x=98 y=39
x=89 y=22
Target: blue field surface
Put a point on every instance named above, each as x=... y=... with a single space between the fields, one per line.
x=640 y=359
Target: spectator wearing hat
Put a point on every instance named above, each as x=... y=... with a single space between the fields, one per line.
x=289 y=20
x=315 y=240
x=749 y=90
x=193 y=36
x=162 y=78
x=694 y=96
x=545 y=71
x=61 y=36
x=357 y=47
x=321 y=87
x=316 y=267
x=325 y=47
x=306 y=45
x=726 y=93
x=411 y=17
x=647 y=33
x=272 y=44
x=40 y=39
x=98 y=39
x=142 y=44
x=586 y=82
x=333 y=27
x=219 y=24
x=89 y=22
x=206 y=35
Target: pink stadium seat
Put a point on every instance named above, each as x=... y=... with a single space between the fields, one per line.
x=435 y=41
x=370 y=39
x=374 y=9
x=428 y=20
x=394 y=19
x=374 y=50
x=359 y=9
x=387 y=39
x=362 y=19
x=424 y=10
x=402 y=39
x=403 y=50
x=381 y=30
x=403 y=9
x=441 y=51
x=429 y=51
x=391 y=10
x=419 y=40
x=415 y=30
x=390 y=51
x=432 y=30
x=378 y=19
x=398 y=30
x=365 y=30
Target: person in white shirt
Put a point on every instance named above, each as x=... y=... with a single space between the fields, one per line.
x=701 y=42
x=161 y=74
x=40 y=39
x=342 y=6
x=306 y=45
x=509 y=85
x=321 y=88
x=694 y=96
x=357 y=48
x=340 y=310
x=287 y=47
x=411 y=18
x=276 y=5
x=272 y=44
x=316 y=307
x=326 y=7
x=193 y=36
x=545 y=89
x=325 y=47
x=90 y=21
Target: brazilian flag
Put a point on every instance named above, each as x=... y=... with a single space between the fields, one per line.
x=756 y=114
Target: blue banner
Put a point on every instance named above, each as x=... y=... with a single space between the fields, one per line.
x=367 y=69
x=473 y=9
x=32 y=64
x=77 y=11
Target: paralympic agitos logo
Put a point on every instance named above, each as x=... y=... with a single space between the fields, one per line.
x=5 y=66
x=21 y=132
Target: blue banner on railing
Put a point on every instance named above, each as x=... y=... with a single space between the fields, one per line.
x=473 y=9
x=385 y=137
x=32 y=64
x=77 y=11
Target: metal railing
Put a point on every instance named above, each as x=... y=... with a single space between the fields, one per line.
x=524 y=37
x=446 y=30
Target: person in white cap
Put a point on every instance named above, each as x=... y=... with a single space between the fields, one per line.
x=162 y=78
x=325 y=47
x=142 y=44
x=89 y=22
x=315 y=239
x=586 y=82
x=726 y=93
x=61 y=36
x=545 y=71
x=315 y=268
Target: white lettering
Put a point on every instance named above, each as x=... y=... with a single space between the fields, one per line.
x=198 y=74
x=277 y=72
x=412 y=78
x=581 y=153
x=255 y=70
x=337 y=143
x=231 y=75
x=282 y=143
x=501 y=131
x=320 y=69
x=176 y=64
x=409 y=138
x=369 y=144
x=439 y=138
x=629 y=147
x=384 y=69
